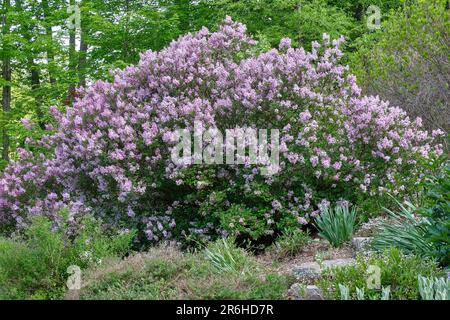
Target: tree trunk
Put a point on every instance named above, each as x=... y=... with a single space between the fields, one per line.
x=6 y=74
x=82 y=55
x=35 y=89
x=35 y=79
x=125 y=48
x=72 y=57
x=48 y=33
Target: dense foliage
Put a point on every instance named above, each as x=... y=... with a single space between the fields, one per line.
x=50 y=47
x=110 y=152
x=36 y=263
x=94 y=94
x=407 y=62
x=424 y=230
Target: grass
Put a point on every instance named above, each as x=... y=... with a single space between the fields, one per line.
x=403 y=230
x=34 y=265
x=222 y=271
x=226 y=257
x=290 y=243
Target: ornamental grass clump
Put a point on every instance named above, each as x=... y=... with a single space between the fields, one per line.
x=110 y=153
x=424 y=230
x=226 y=257
x=336 y=224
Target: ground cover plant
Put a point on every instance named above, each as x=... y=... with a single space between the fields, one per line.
x=166 y=273
x=398 y=271
x=35 y=264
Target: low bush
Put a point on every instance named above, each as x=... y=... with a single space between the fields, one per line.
x=398 y=272
x=166 y=273
x=34 y=265
x=336 y=224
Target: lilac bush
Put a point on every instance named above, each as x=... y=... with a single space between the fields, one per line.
x=110 y=152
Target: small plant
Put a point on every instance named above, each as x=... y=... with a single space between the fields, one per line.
x=336 y=225
x=34 y=264
x=397 y=275
x=344 y=292
x=431 y=288
x=226 y=257
x=360 y=293
x=385 y=293
x=404 y=230
x=291 y=242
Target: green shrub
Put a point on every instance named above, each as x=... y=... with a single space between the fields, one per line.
x=336 y=225
x=423 y=231
x=290 y=243
x=34 y=264
x=436 y=210
x=410 y=49
x=397 y=271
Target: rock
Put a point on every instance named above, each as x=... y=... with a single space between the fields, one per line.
x=310 y=271
x=338 y=262
x=360 y=243
x=307 y=272
x=313 y=293
x=299 y=292
x=295 y=291
x=72 y=295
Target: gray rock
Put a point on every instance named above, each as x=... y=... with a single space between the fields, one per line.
x=295 y=291
x=306 y=272
x=313 y=293
x=310 y=271
x=299 y=292
x=360 y=243
x=338 y=262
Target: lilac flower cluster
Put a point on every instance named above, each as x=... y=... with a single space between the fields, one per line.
x=110 y=153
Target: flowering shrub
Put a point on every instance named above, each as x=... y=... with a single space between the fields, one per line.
x=111 y=150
